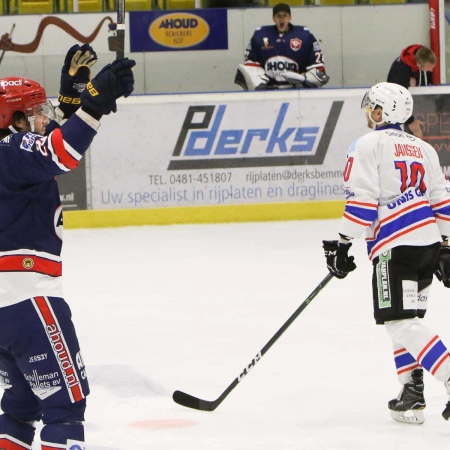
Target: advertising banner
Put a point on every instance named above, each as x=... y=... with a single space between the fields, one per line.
x=223 y=149
x=233 y=148
x=72 y=187
x=434 y=112
x=162 y=31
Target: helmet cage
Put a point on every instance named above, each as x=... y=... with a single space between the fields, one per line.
x=46 y=109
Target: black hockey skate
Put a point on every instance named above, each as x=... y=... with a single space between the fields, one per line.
x=446 y=412
x=409 y=405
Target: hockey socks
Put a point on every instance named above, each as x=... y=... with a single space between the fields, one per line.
x=70 y=445
x=14 y=434
x=63 y=436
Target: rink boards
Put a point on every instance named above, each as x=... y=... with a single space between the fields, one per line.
x=232 y=157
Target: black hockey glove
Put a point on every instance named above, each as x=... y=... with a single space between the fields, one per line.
x=442 y=270
x=338 y=261
x=112 y=82
x=75 y=74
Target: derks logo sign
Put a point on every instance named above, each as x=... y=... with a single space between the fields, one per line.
x=204 y=144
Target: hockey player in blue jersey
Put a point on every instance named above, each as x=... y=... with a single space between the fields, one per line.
x=42 y=371
x=282 y=56
x=398 y=196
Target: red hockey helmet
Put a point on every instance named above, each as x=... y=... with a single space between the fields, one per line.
x=19 y=94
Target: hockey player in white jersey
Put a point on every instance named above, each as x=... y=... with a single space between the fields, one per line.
x=397 y=194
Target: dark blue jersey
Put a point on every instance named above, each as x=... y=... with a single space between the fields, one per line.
x=297 y=50
x=31 y=216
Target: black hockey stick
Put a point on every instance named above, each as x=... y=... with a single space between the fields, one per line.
x=204 y=405
x=120 y=30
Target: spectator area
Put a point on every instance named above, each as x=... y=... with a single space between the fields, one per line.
x=14 y=7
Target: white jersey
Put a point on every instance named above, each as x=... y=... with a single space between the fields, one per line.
x=395 y=191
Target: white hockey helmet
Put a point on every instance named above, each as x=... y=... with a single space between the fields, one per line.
x=396 y=101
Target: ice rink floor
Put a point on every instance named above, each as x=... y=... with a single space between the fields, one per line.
x=187 y=307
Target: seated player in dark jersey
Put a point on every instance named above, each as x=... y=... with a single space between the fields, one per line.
x=282 y=56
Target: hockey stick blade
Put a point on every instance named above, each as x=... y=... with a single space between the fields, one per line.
x=189 y=401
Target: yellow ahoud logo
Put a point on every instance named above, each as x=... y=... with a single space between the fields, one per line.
x=179 y=30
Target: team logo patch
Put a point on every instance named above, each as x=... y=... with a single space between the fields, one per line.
x=316 y=47
x=296 y=44
x=80 y=87
x=27 y=142
x=28 y=263
x=75 y=445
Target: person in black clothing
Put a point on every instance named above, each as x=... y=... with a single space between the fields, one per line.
x=412 y=68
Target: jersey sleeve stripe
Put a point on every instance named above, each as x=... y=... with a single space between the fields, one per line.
x=440 y=217
x=443 y=213
x=364 y=214
x=357 y=220
x=438 y=205
x=63 y=152
x=368 y=205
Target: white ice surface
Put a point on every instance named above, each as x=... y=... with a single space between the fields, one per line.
x=187 y=307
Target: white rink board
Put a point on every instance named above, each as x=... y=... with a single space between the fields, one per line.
x=251 y=149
